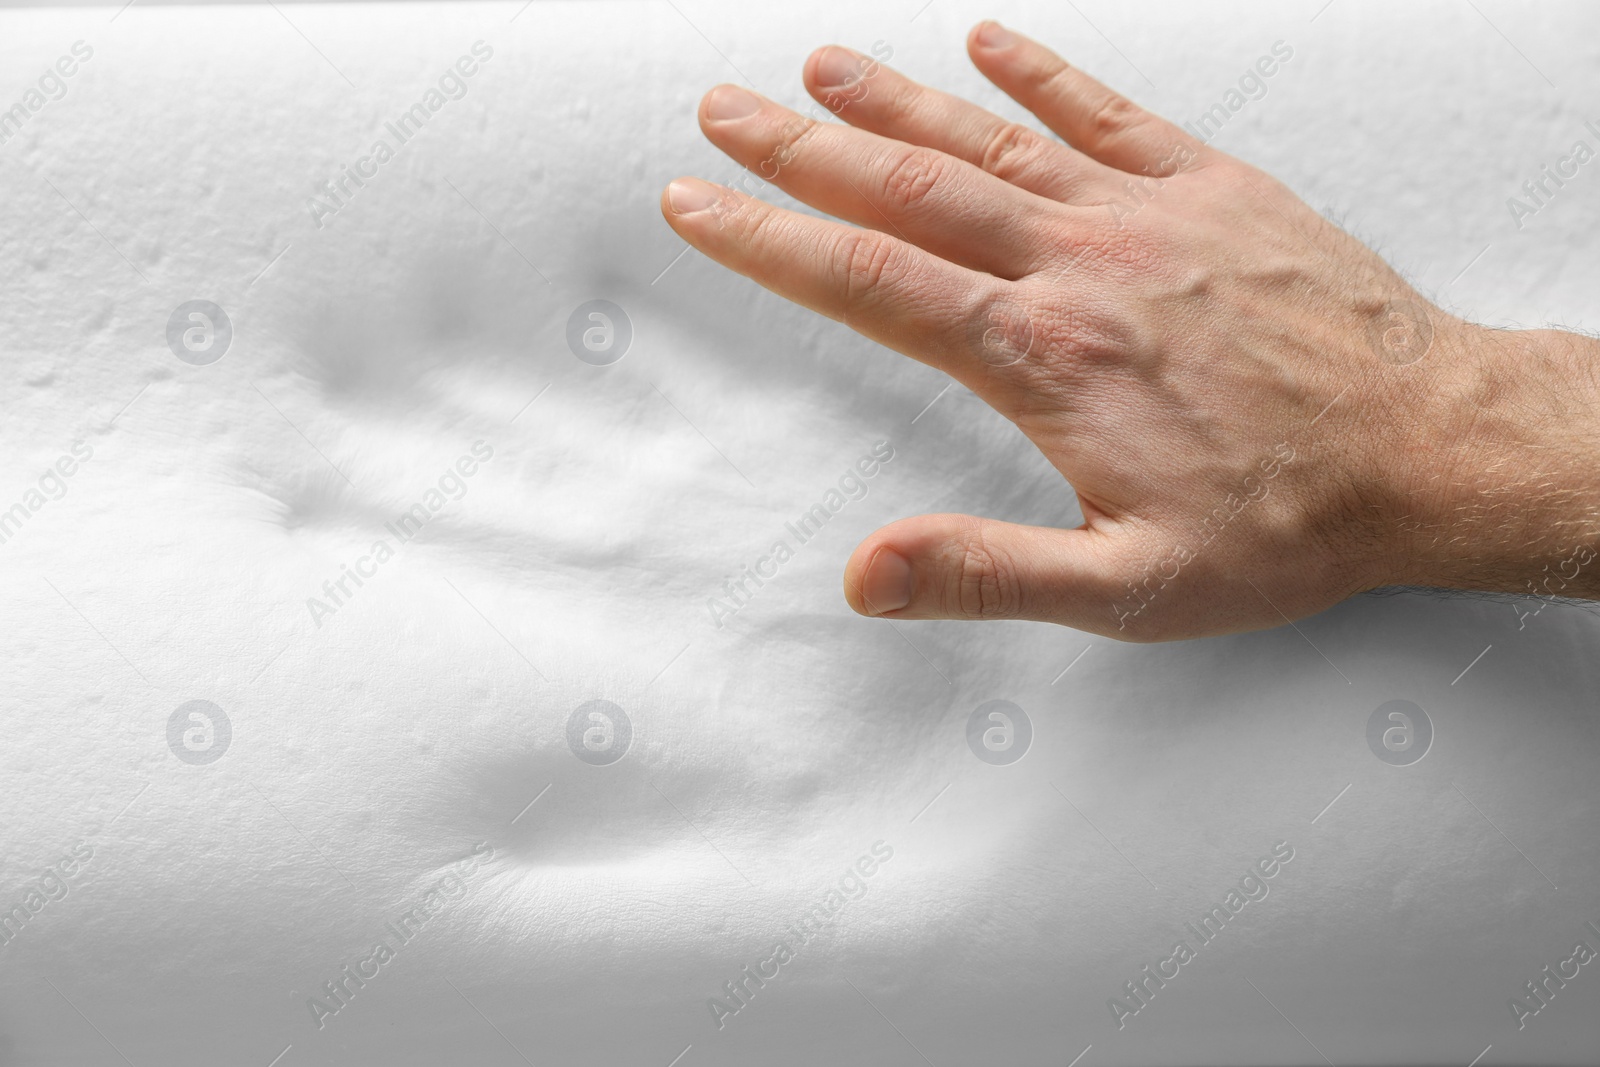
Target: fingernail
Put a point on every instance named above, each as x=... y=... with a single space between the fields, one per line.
x=729 y=102
x=837 y=68
x=688 y=195
x=887 y=584
x=993 y=35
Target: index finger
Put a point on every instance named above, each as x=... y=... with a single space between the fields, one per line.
x=880 y=286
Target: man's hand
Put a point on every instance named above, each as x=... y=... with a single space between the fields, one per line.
x=1259 y=416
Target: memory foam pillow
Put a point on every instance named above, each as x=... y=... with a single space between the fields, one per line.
x=422 y=627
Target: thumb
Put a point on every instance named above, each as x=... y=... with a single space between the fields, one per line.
x=964 y=567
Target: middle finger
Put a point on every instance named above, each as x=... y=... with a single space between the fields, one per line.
x=938 y=202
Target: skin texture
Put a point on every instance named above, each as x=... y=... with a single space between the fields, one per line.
x=1260 y=418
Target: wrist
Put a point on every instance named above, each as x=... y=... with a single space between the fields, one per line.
x=1501 y=483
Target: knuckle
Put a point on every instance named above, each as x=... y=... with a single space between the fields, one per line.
x=1008 y=147
x=911 y=178
x=868 y=262
x=985 y=584
x=1001 y=328
x=786 y=145
x=754 y=228
x=1071 y=350
x=1113 y=115
x=1054 y=79
x=899 y=103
